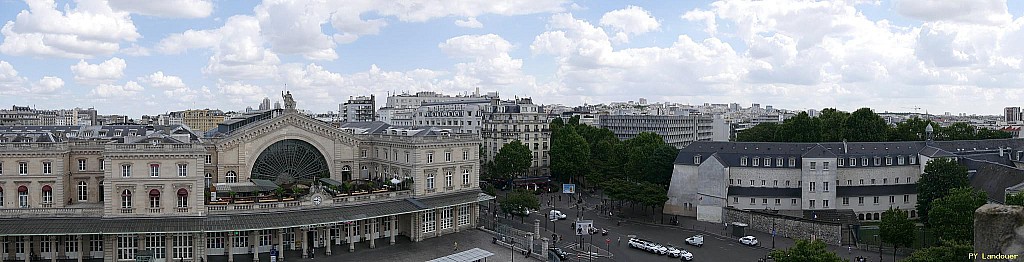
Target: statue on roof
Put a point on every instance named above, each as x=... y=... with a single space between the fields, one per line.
x=289 y=103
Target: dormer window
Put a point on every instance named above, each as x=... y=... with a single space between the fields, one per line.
x=778 y=162
x=899 y=160
x=913 y=160
x=757 y=161
x=888 y=160
x=863 y=161
x=842 y=162
x=743 y=161
x=878 y=161
x=792 y=162
x=696 y=159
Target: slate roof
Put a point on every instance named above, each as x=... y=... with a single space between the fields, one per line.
x=219 y=223
x=818 y=151
x=763 y=191
x=876 y=190
x=731 y=153
x=993 y=178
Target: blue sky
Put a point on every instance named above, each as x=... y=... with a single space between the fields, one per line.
x=149 y=57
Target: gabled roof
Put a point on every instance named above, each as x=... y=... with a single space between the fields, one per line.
x=934 y=152
x=818 y=151
x=993 y=178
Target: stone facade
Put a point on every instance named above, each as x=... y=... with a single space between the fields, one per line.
x=999 y=229
x=789 y=227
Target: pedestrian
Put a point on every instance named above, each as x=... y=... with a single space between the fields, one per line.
x=618 y=241
x=559 y=197
x=456 y=246
x=849 y=250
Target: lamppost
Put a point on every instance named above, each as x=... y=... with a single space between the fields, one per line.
x=773 y=233
x=512 y=249
x=879 y=248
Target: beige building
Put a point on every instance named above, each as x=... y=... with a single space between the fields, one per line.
x=520 y=119
x=289 y=183
x=202 y=120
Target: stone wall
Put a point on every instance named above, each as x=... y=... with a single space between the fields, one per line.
x=786 y=226
x=999 y=229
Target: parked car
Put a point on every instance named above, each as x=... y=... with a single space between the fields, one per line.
x=685 y=256
x=558 y=252
x=636 y=242
x=673 y=252
x=697 y=240
x=748 y=240
x=658 y=249
x=555 y=214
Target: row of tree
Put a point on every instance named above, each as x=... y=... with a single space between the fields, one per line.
x=862 y=125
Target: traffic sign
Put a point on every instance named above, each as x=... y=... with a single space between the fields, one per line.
x=569 y=188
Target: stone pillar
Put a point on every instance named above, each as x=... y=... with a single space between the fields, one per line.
x=305 y=244
x=53 y=247
x=254 y=243
x=327 y=240
x=141 y=238
x=455 y=218
x=394 y=228
x=437 y=222
x=230 y=245
x=351 y=236
x=199 y=246
x=280 y=244
x=31 y=248
x=543 y=246
x=529 y=241
x=81 y=247
x=536 y=228
x=337 y=235
x=373 y=229
x=169 y=246
x=109 y=244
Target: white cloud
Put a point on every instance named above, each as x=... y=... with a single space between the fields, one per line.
x=159 y=80
x=239 y=93
x=47 y=85
x=166 y=8
x=11 y=83
x=488 y=45
x=89 y=29
x=238 y=49
x=988 y=12
x=632 y=20
x=708 y=17
x=470 y=22
x=103 y=73
x=128 y=90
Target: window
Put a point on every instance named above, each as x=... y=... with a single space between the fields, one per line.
x=775 y=183
x=812 y=186
x=861 y=181
x=824 y=185
x=878 y=161
x=885 y=181
x=787 y=183
x=853 y=161
x=793 y=201
x=216 y=240
x=465 y=177
x=448 y=179
x=1 y=168
x=913 y=160
x=96 y=243
x=730 y=181
x=47 y=168
x=362 y=153
x=743 y=161
x=44 y=247
x=846 y=201
x=863 y=161
x=154 y=198
x=811 y=203
x=906 y=198
x=897 y=180
x=428 y=222
x=101 y=163
x=899 y=160
x=888 y=160
x=154 y=170
x=47 y=194
x=756 y=161
x=841 y=162
x=207 y=179
x=22 y=168
x=1 y=197
x=824 y=166
x=463 y=215
x=792 y=161
x=849 y=182
x=753 y=201
x=764 y=201
x=446 y=218
x=407 y=157
x=70 y=245
x=430 y=157
x=430 y=181
x=735 y=200
x=155 y=243
x=126 y=170
x=23 y=197
x=696 y=159
x=126 y=246
x=81 y=165
x=182 y=170
x=751 y=182
x=231 y=177
x=182 y=198
x=465 y=155
x=126 y=199
x=876 y=200
x=778 y=202
x=860 y=201
x=240 y=240
x=762 y=183
x=265 y=237
x=813 y=164
x=824 y=203
x=872 y=181
x=448 y=156
x=209 y=159
x=182 y=247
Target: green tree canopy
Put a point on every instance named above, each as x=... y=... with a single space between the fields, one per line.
x=513 y=160
x=863 y=125
x=570 y=154
x=1015 y=199
x=833 y=124
x=763 y=132
x=896 y=228
x=866 y=126
x=910 y=130
x=801 y=128
x=940 y=176
x=952 y=217
x=518 y=201
x=950 y=251
x=806 y=251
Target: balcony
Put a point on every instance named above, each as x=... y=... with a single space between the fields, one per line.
x=127 y=210
x=52 y=212
x=154 y=209
x=292 y=203
x=182 y=210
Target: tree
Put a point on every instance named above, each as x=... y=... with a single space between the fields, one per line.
x=952 y=216
x=951 y=251
x=664 y=161
x=833 y=124
x=897 y=229
x=956 y=131
x=556 y=124
x=518 y=202
x=1015 y=199
x=512 y=160
x=801 y=128
x=640 y=156
x=570 y=154
x=866 y=126
x=940 y=175
x=910 y=130
x=763 y=132
x=805 y=251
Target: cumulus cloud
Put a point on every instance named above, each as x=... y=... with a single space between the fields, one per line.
x=103 y=73
x=47 y=84
x=470 y=22
x=89 y=29
x=159 y=80
x=632 y=20
x=239 y=50
x=127 y=90
x=166 y=8
x=988 y=12
x=11 y=83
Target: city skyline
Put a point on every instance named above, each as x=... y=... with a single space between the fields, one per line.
x=133 y=59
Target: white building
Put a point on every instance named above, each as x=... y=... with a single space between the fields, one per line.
x=519 y=119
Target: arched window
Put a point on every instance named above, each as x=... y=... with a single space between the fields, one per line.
x=126 y=199
x=47 y=194
x=346 y=173
x=23 y=196
x=913 y=213
x=876 y=216
x=83 y=191
x=182 y=197
x=231 y=177
x=860 y=216
x=430 y=181
x=154 y=198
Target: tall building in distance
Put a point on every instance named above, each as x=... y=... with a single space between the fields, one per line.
x=266 y=104
x=677 y=131
x=400 y=107
x=519 y=119
x=359 y=109
x=1011 y=114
